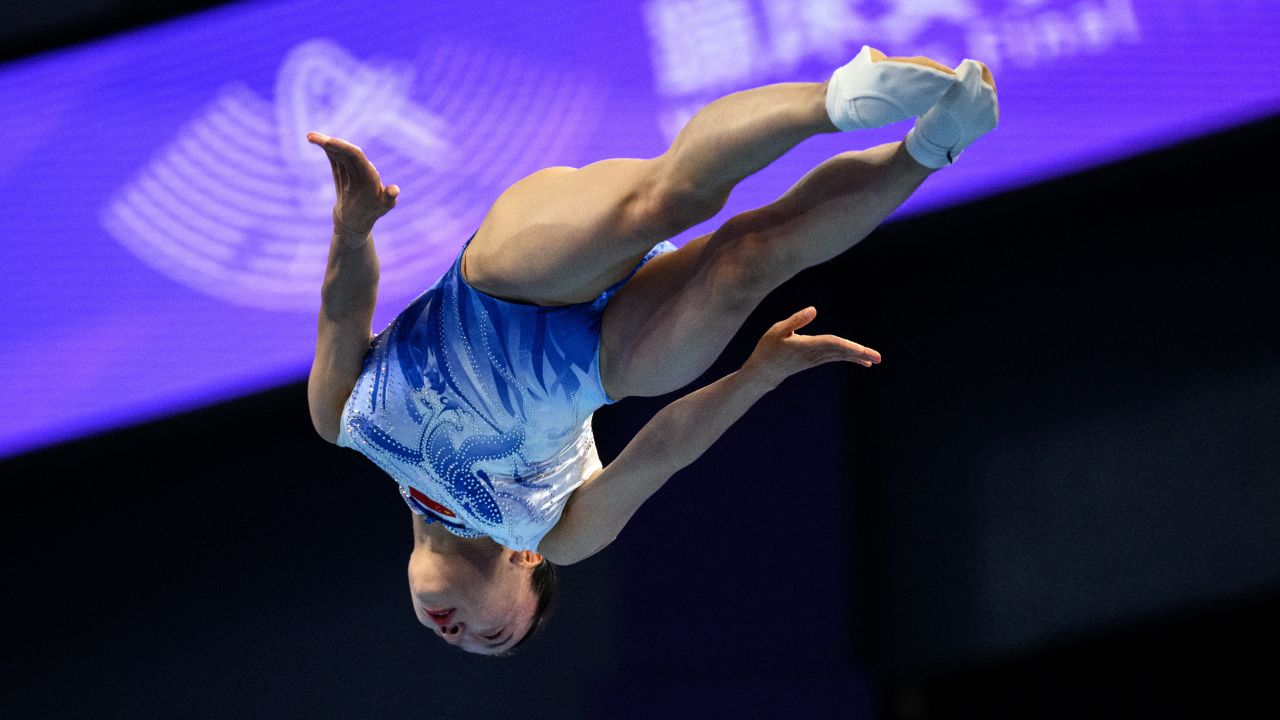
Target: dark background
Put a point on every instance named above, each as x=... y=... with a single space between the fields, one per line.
x=1058 y=496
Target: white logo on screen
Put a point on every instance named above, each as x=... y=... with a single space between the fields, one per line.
x=703 y=48
x=238 y=204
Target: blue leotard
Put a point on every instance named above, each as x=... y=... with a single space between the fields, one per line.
x=480 y=408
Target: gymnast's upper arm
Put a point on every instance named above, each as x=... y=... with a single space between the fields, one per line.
x=340 y=350
x=584 y=527
x=599 y=508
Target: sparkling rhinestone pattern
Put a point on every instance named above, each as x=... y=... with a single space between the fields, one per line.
x=484 y=405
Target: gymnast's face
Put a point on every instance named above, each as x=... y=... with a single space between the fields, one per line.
x=482 y=602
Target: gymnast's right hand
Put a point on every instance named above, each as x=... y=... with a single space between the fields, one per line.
x=362 y=199
x=782 y=352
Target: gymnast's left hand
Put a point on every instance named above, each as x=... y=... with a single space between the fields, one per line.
x=362 y=199
x=782 y=352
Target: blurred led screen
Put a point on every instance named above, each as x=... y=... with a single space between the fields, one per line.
x=166 y=223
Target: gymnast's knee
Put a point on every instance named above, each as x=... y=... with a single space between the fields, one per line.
x=746 y=263
x=677 y=207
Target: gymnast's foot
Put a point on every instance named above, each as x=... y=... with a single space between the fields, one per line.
x=873 y=90
x=965 y=113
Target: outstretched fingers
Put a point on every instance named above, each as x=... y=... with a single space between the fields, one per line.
x=832 y=348
x=362 y=198
x=858 y=353
x=342 y=153
x=334 y=144
x=823 y=348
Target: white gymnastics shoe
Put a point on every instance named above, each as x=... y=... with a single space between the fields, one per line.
x=968 y=111
x=871 y=92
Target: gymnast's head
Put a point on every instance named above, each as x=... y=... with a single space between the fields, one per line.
x=476 y=594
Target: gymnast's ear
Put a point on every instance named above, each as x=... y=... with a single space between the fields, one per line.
x=526 y=558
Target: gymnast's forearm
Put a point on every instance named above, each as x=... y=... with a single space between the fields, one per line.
x=350 y=290
x=692 y=424
x=681 y=432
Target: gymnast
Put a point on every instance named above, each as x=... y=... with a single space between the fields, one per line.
x=477 y=399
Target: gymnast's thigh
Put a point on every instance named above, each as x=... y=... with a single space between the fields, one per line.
x=563 y=235
x=667 y=325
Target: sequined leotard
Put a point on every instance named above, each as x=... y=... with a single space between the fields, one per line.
x=480 y=408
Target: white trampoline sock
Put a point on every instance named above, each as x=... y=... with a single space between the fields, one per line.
x=965 y=113
x=866 y=93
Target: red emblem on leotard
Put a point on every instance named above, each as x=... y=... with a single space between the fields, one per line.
x=416 y=495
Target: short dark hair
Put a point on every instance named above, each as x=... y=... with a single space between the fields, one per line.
x=545 y=584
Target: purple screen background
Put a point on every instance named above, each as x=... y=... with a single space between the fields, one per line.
x=167 y=224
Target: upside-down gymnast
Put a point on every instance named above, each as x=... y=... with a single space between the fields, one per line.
x=477 y=399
